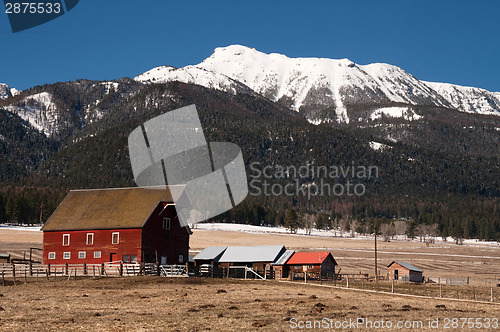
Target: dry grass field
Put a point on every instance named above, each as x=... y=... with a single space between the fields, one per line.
x=192 y=304
x=181 y=304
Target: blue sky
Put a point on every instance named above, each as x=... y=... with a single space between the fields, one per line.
x=445 y=41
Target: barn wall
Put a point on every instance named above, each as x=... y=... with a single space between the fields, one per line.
x=402 y=271
x=157 y=242
x=129 y=244
x=415 y=276
x=328 y=266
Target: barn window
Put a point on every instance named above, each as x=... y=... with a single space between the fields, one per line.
x=52 y=255
x=82 y=254
x=166 y=223
x=67 y=255
x=126 y=258
x=90 y=239
x=181 y=258
x=310 y=266
x=65 y=239
x=297 y=267
x=97 y=254
x=133 y=258
x=115 y=238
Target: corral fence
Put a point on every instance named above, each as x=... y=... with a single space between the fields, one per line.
x=448 y=281
x=18 y=271
x=446 y=289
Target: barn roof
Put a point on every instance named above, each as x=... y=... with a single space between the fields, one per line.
x=309 y=258
x=406 y=265
x=252 y=254
x=108 y=208
x=284 y=258
x=210 y=253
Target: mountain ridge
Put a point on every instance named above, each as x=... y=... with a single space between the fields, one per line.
x=313 y=85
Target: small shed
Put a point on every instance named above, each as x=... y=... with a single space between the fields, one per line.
x=281 y=270
x=4 y=258
x=209 y=255
x=404 y=271
x=321 y=263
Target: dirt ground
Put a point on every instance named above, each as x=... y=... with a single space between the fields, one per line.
x=193 y=304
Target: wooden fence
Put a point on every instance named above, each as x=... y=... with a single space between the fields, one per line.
x=17 y=271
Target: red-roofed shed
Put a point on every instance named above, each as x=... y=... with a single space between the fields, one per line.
x=312 y=262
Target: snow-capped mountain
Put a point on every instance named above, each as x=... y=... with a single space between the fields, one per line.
x=193 y=75
x=5 y=91
x=311 y=85
x=468 y=99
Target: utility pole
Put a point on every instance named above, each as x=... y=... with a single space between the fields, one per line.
x=41 y=212
x=376 y=272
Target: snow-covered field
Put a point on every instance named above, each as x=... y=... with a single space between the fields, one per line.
x=282 y=230
x=302 y=232
x=21 y=228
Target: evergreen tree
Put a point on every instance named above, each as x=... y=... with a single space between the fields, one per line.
x=292 y=220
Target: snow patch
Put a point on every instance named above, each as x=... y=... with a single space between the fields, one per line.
x=395 y=112
x=39 y=110
x=379 y=146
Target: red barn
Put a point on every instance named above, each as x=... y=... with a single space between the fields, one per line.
x=105 y=225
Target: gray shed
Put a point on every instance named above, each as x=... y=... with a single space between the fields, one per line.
x=209 y=255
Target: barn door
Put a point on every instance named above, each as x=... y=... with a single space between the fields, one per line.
x=111 y=256
x=396 y=275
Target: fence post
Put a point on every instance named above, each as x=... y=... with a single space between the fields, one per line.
x=491 y=294
x=121 y=269
x=347 y=281
x=14 y=273
x=48 y=270
x=25 y=275
x=393 y=285
x=101 y=273
x=66 y=268
x=456 y=288
x=31 y=268
x=425 y=290
x=409 y=287
x=85 y=269
x=3 y=277
x=441 y=290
